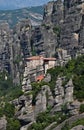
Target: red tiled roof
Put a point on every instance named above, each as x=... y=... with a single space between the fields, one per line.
x=40 y=57
x=49 y=59
x=35 y=58
x=40 y=77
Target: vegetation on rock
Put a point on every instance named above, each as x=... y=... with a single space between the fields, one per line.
x=73 y=69
x=8 y=92
x=57 y=30
x=81 y=108
x=36 y=87
x=44 y=119
x=76 y=123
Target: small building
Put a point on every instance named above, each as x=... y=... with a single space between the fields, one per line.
x=49 y=63
x=37 y=66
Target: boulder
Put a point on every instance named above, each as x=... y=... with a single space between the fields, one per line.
x=3 y=123
x=79 y=127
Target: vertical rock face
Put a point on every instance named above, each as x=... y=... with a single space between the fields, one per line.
x=43 y=99
x=53 y=13
x=23 y=31
x=63 y=57
x=14 y=47
x=72 y=28
x=53 y=18
x=6 y=52
x=69 y=91
x=37 y=41
x=45 y=38
x=24 y=108
x=48 y=12
x=50 y=41
x=52 y=24
x=9 y=50
x=21 y=46
x=57 y=14
x=62 y=27
x=63 y=94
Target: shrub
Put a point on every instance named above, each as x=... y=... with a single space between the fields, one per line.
x=81 y=108
x=73 y=69
x=1 y=112
x=13 y=124
x=36 y=87
x=65 y=127
x=57 y=30
x=78 y=122
x=46 y=26
x=9 y=110
x=54 y=72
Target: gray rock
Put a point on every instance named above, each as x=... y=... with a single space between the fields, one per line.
x=79 y=127
x=73 y=14
x=3 y=123
x=43 y=99
x=26 y=84
x=69 y=91
x=26 y=126
x=47 y=78
x=73 y=107
x=59 y=92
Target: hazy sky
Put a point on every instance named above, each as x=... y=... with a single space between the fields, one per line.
x=12 y=4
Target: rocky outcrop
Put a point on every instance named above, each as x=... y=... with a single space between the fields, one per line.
x=23 y=30
x=61 y=36
x=71 y=36
x=64 y=97
x=43 y=99
x=53 y=17
x=47 y=78
x=73 y=107
x=14 y=47
x=3 y=123
x=63 y=56
x=45 y=39
x=26 y=126
x=57 y=32
x=58 y=29
x=24 y=109
x=53 y=13
x=6 y=57
x=69 y=91
x=23 y=105
x=79 y=127
x=59 y=93
x=69 y=121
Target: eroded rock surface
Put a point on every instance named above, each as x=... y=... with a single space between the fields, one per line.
x=3 y=123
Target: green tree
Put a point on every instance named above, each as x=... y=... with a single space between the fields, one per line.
x=13 y=124
x=9 y=110
x=81 y=108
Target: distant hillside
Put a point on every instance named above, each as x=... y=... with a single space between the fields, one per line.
x=14 y=16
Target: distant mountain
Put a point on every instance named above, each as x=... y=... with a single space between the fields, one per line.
x=17 y=4
x=35 y=14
